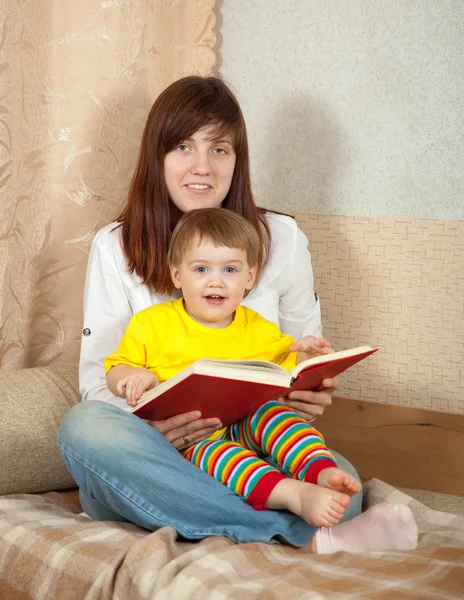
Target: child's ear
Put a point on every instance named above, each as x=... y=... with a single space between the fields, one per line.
x=175 y=275
x=251 y=278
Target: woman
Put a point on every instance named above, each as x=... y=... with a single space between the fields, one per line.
x=193 y=154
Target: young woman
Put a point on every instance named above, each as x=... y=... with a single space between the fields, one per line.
x=193 y=154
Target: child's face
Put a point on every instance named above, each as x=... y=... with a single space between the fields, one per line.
x=213 y=280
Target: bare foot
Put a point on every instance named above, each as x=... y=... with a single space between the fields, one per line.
x=336 y=479
x=318 y=506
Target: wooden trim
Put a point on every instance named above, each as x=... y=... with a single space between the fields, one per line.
x=406 y=447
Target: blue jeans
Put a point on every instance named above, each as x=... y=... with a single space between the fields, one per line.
x=128 y=471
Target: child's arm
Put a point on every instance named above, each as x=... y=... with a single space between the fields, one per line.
x=130 y=382
x=310 y=346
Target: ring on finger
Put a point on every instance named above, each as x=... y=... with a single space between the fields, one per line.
x=186 y=439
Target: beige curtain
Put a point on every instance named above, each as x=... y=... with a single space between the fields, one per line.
x=77 y=80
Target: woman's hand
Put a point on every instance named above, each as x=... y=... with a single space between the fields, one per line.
x=310 y=405
x=186 y=429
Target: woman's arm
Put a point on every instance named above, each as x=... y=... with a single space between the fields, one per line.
x=300 y=315
x=107 y=312
x=299 y=307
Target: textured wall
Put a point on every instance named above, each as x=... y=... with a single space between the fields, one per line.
x=397 y=284
x=353 y=108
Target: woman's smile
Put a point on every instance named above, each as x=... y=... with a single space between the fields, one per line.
x=198 y=187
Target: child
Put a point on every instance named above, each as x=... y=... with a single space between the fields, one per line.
x=213 y=260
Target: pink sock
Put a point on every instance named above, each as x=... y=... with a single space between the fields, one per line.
x=382 y=527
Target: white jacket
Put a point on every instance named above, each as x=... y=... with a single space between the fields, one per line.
x=284 y=294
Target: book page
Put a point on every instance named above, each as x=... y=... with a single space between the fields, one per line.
x=254 y=365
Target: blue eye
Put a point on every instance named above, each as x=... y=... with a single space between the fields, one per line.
x=230 y=270
x=200 y=269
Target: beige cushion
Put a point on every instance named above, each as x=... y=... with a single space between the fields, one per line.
x=33 y=403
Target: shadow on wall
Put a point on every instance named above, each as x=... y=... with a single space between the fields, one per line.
x=218 y=11
x=299 y=153
x=305 y=156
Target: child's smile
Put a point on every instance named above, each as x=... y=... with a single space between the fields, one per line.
x=216 y=300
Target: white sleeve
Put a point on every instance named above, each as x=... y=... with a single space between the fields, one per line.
x=299 y=307
x=107 y=312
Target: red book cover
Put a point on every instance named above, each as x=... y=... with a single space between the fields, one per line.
x=229 y=398
x=213 y=396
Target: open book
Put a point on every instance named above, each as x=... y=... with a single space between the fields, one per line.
x=230 y=389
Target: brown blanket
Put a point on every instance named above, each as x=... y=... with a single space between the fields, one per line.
x=49 y=552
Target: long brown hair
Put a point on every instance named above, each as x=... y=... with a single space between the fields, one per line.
x=180 y=111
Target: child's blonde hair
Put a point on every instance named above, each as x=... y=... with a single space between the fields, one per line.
x=220 y=226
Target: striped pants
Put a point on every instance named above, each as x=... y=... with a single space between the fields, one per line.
x=273 y=430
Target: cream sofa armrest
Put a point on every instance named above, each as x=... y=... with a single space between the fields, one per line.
x=33 y=403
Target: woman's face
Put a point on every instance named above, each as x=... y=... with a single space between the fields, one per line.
x=199 y=171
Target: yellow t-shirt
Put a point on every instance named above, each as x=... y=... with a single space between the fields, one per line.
x=165 y=339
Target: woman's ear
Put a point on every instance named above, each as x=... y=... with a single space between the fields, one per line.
x=251 y=278
x=175 y=275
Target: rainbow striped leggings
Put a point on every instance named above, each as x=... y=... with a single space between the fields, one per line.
x=236 y=458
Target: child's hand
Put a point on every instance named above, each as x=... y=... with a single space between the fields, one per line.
x=133 y=385
x=310 y=346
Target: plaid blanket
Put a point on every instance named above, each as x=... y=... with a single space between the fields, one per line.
x=47 y=552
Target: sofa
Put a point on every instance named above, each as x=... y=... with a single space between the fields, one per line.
x=48 y=550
